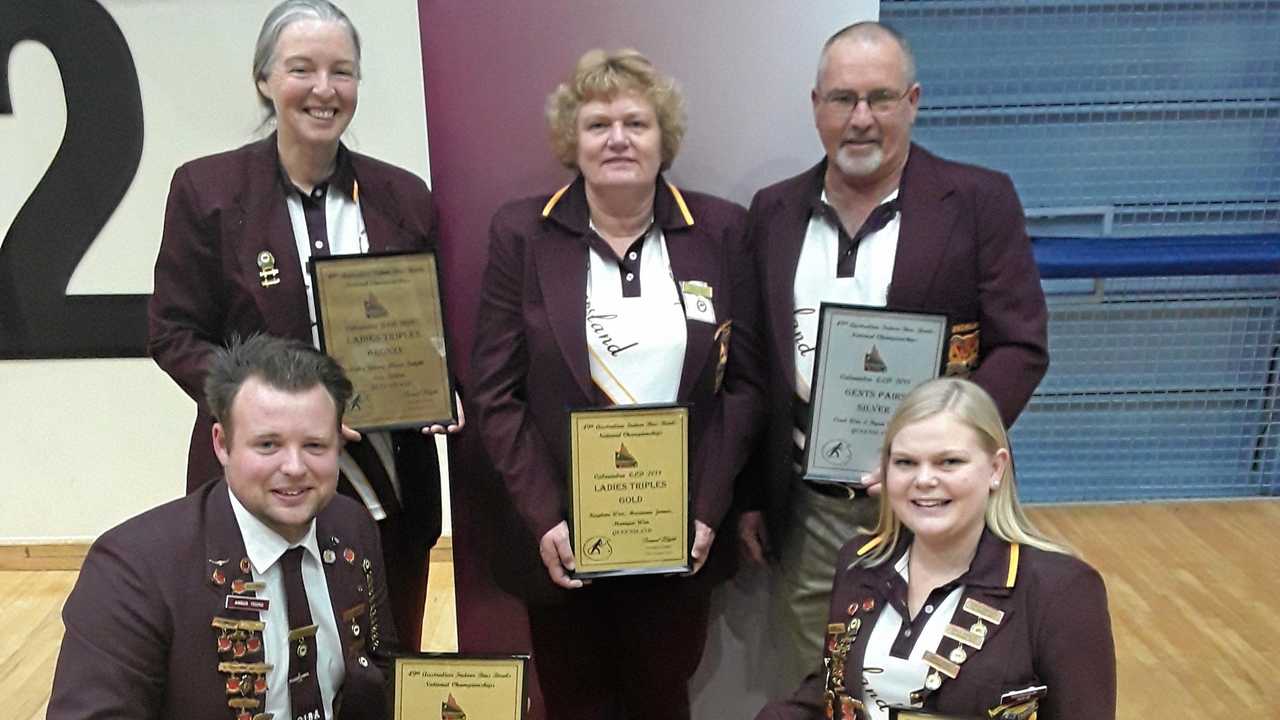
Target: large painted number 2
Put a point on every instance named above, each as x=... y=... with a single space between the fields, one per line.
x=89 y=175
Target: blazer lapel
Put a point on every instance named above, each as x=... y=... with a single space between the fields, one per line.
x=687 y=264
x=560 y=260
x=985 y=609
x=264 y=228
x=383 y=221
x=929 y=213
x=381 y=229
x=866 y=601
x=691 y=259
x=224 y=549
x=786 y=231
x=343 y=578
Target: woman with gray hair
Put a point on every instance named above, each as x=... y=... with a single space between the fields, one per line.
x=239 y=229
x=618 y=289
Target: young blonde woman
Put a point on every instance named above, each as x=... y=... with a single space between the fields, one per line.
x=954 y=603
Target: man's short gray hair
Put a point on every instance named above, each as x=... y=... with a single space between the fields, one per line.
x=874 y=31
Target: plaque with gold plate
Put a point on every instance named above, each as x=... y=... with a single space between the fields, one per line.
x=381 y=317
x=460 y=686
x=867 y=360
x=629 y=490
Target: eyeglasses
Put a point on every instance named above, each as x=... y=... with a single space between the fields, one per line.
x=879 y=101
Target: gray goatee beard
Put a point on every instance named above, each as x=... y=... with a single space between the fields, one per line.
x=859 y=165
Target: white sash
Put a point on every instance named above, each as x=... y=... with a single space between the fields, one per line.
x=636 y=344
x=816 y=282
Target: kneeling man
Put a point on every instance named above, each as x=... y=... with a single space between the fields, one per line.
x=260 y=596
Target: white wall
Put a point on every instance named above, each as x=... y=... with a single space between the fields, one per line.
x=85 y=444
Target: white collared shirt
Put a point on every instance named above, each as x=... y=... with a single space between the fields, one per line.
x=635 y=345
x=889 y=680
x=816 y=281
x=264 y=548
x=345 y=225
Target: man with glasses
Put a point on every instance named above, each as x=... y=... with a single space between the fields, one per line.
x=878 y=222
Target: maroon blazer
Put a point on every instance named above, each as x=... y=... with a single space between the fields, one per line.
x=962 y=250
x=1056 y=631
x=139 y=641
x=530 y=360
x=225 y=209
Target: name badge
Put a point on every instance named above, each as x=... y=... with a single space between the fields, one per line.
x=245 y=602
x=697 y=301
x=1033 y=692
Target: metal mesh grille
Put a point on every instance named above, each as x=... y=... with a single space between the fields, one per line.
x=1158 y=388
x=1127 y=119
x=1124 y=119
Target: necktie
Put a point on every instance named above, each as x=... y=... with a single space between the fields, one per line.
x=304 y=686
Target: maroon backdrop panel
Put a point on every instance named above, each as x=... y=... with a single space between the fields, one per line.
x=488 y=67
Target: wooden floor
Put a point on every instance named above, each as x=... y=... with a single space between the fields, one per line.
x=30 y=615
x=1194 y=590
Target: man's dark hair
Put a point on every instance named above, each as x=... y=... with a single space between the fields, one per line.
x=288 y=365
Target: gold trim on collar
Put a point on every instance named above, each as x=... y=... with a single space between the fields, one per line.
x=546 y=209
x=871 y=545
x=684 y=209
x=1015 y=550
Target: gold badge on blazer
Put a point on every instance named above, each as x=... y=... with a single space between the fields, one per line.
x=267 y=271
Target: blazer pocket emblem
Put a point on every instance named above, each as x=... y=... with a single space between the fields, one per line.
x=962 y=349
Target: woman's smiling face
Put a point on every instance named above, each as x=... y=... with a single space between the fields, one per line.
x=313 y=82
x=939 y=477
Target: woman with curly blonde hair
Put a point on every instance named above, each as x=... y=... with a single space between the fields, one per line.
x=618 y=289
